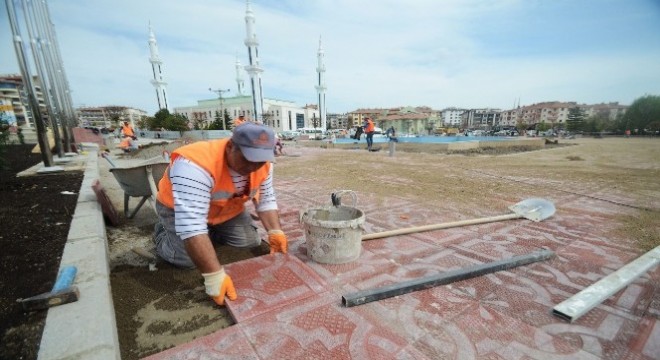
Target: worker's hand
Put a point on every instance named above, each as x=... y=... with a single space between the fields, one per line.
x=277 y=240
x=218 y=284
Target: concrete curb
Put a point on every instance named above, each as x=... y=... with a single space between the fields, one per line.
x=85 y=329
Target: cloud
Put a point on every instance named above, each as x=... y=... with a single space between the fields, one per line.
x=383 y=54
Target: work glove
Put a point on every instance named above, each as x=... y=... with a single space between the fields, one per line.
x=277 y=240
x=218 y=284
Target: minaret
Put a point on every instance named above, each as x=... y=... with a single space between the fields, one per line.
x=253 y=69
x=157 y=69
x=240 y=84
x=320 y=87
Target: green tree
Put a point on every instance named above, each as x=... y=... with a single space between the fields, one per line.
x=575 y=119
x=642 y=112
x=217 y=122
x=228 y=122
x=176 y=122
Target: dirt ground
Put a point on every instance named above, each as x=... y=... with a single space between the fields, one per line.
x=156 y=310
x=34 y=219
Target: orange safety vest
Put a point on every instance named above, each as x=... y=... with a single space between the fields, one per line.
x=128 y=130
x=210 y=156
x=125 y=144
x=370 y=126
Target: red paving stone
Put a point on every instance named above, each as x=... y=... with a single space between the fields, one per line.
x=289 y=306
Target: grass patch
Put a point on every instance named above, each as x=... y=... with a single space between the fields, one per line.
x=643 y=229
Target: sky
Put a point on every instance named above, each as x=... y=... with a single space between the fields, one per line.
x=378 y=54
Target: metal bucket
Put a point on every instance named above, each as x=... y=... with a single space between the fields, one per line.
x=333 y=233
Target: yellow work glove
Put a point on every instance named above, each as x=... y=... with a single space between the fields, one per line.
x=218 y=284
x=277 y=241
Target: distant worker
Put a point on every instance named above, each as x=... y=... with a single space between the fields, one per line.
x=127 y=130
x=239 y=120
x=127 y=145
x=201 y=201
x=369 y=129
x=391 y=134
x=279 y=146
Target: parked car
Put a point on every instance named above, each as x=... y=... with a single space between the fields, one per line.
x=289 y=135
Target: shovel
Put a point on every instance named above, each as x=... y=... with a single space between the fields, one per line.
x=532 y=209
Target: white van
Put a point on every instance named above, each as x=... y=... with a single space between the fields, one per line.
x=313 y=133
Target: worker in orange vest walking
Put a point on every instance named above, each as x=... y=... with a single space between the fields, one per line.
x=369 y=129
x=201 y=202
x=127 y=130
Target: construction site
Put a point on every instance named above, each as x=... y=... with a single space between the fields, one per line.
x=457 y=256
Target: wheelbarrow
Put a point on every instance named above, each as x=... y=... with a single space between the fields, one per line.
x=140 y=181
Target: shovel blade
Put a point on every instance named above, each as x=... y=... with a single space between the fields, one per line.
x=534 y=209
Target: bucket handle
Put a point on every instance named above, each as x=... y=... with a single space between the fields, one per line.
x=337 y=196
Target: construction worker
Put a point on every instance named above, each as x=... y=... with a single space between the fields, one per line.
x=201 y=201
x=127 y=144
x=369 y=129
x=239 y=120
x=127 y=130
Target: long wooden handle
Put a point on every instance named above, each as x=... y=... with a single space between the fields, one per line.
x=440 y=226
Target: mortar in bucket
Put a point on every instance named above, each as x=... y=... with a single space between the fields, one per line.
x=333 y=233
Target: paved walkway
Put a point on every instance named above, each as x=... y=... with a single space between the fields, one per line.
x=290 y=306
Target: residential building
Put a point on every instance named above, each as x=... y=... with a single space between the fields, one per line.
x=452 y=117
x=405 y=120
x=555 y=113
x=108 y=116
x=484 y=119
x=13 y=91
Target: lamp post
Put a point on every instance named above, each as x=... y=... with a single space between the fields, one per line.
x=222 y=115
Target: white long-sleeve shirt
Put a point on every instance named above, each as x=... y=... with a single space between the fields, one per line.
x=191 y=190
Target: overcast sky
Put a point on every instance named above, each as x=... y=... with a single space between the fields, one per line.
x=378 y=53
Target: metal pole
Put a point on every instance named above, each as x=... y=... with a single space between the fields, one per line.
x=579 y=304
x=33 y=104
x=365 y=296
x=48 y=46
x=45 y=80
x=222 y=115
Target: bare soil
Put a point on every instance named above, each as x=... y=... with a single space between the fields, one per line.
x=34 y=219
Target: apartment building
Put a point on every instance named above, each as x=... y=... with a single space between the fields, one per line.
x=405 y=120
x=108 y=116
x=485 y=119
x=555 y=113
x=452 y=117
x=13 y=91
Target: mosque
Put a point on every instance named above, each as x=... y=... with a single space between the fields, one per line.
x=281 y=115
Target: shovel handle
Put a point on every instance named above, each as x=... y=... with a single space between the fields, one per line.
x=440 y=226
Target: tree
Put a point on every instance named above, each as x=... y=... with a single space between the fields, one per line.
x=217 y=122
x=316 y=122
x=575 y=119
x=176 y=122
x=163 y=119
x=643 y=112
x=228 y=122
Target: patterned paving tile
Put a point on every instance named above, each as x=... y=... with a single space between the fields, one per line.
x=270 y=282
x=320 y=327
x=366 y=267
x=481 y=332
x=229 y=343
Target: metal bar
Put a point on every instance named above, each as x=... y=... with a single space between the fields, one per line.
x=579 y=304
x=365 y=296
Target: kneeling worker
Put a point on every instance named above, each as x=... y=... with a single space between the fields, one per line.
x=201 y=201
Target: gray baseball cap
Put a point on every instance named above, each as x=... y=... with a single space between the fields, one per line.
x=255 y=141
